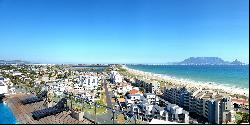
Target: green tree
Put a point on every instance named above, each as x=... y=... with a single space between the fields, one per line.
x=42 y=82
x=142 y=89
x=50 y=75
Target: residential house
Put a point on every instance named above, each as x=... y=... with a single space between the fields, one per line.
x=151 y=98
x=115 y=77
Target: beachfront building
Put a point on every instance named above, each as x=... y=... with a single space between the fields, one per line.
x=148 y=85
x=224 y=110
x=180 y=96
x=115 y=77
x=206 y=103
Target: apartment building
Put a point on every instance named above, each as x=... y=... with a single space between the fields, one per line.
x=206 y=103
x=89 y=82
x=115 y=77
x=176 y=113
x=151 y=98
x=3 y=88
x=131 y=99
x=148 y=85
x=224 y=110
x=154 y=87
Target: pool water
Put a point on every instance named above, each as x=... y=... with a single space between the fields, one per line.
x=6 y=115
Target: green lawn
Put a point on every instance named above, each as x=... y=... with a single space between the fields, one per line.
x=91 y=108
x=241 y=117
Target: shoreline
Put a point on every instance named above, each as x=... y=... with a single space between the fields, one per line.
x=190 y=83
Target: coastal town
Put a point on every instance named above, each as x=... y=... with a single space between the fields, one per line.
x=113 y=94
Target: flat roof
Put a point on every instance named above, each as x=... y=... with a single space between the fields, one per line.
x=1 y=84
x=157 y=121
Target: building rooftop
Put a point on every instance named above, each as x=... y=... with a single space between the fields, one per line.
x=1 y=84
x=157 y=121
x=240 y=101
x=134 y=91
x=149 y=94
x=121 y=99
x=200 y=94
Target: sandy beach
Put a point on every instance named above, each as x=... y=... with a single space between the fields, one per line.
x=190 y=83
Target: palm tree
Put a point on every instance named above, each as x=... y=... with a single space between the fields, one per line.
x=50 y=74
x=142 y=90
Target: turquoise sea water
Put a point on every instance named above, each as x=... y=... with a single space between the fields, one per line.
x=231 y=75
x=6 y=115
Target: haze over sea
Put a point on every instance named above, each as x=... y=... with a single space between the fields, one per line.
x=229 y=75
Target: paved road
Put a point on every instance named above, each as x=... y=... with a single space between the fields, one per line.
x=108 y=100
x=106 y=118
x=244 y=110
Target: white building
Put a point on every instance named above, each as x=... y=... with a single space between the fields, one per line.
x=131 y=99
x=217 y=108
x=174 y=111
x=16 y=73
x=157 y=121
x=151 y=98
x=123 y=89
x=3 y=88
x=57 y=88
x=115 y=77
x=224 y=110
x=88 y=82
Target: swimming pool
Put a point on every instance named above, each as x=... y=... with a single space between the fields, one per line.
x=6 y=115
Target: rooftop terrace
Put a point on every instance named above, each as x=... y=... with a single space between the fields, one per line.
x=24 y=116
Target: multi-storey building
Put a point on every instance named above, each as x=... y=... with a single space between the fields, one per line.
x=88 y=82
x=223 y=110
x=206 y=103
x=3 y=88
x=131 y=99
x=151 y=98
x=154 y=87
x=148 y=85
x=115 y=77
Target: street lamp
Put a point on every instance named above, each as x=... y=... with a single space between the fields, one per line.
x=95 y=111
x=113 y=111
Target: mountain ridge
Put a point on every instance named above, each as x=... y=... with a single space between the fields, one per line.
x=14 y=62
x=207 y=61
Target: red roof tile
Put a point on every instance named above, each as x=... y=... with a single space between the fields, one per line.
x=133 y=91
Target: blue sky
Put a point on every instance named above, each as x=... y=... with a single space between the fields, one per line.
x=123 y=31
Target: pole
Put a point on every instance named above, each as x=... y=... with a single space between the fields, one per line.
x=71 y=100
x=134 y=115
x=113 y=111
x=95 y=112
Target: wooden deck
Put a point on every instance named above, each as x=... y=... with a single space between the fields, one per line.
x=23 y=113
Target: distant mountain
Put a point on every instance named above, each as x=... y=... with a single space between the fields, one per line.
x=236 y=62
x=207 y=61
x=13 y=62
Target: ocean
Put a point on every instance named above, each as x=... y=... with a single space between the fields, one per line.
x=229 y=75
x=6 y=115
